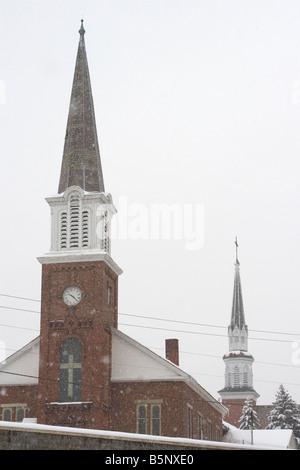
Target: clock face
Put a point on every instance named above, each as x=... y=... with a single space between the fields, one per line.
x=72 y=296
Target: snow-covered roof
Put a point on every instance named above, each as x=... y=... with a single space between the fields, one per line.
x=271 y=438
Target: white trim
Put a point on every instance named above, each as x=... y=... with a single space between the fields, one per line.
x=79 y=256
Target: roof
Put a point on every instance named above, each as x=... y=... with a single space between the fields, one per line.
x=131 y=361
x=237 y=312
x=22 y=367
x=271 y=438
x=81 y=164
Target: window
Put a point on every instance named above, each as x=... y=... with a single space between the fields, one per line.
x=74 y=229
x=85 y=228
x=142 y=419
x=200 y=426
x=152 y=425
x=105 y=232
x=15 y=412
x=236 y=376
x=74 y=221
x=229 y=379
x=20 y=414
x=109 y=289
x=209 y=431
x=70 y=370
x=155 y=420
x=63 y=230
x=189 y=421
x=245 y=378
x=218 y=433
x=7 y=414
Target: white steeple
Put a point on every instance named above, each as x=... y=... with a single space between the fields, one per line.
x=238 y=362
x=81 y=212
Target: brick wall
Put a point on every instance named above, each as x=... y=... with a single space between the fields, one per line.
x=89 y=323
x=174 y=398
x=12 y=396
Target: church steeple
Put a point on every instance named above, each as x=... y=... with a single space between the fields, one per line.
x=81 y=164
x=82 y=211
x=238 y=362
x=237 y=330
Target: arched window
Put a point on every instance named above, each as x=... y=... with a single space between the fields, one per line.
x=155 y=420
x=7 y=412
x=229 y=379
x=20 y=414
x=85 y=228
x=63 y=230
x=74 y=225
x=70 y=370
x=236 y=376
x=245 y=376
x=141 y=419
x=74 y=221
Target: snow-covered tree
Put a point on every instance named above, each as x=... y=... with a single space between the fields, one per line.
x=249 y=419
x=285 y=413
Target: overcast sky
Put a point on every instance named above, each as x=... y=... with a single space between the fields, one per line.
x=198 y=108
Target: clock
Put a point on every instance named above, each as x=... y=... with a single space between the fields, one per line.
x=72 y=296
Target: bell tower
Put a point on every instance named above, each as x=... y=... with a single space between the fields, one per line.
x=238 y=362
x=79 y=277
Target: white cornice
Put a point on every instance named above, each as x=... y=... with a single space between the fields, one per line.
x=80 y=256
x=238 y=395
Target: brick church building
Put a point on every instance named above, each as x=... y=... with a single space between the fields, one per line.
x=82 y=371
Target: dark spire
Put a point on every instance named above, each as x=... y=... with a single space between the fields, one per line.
x=81 y=164
x=237 y=313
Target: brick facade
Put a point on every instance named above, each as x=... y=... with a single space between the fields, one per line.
x=174 y=399
x=89 y=323
x=14 y=397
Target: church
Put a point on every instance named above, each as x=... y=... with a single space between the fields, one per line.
x=238 y=362
x=82 y=371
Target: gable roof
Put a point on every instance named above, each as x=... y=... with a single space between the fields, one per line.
x=22 y=367
x=131 y=361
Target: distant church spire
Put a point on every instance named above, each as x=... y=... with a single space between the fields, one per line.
x=81 y=164
x=237 y=312
x=238 y=362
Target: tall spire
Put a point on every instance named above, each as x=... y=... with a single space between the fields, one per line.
x=237 y=312
x=238 y=362
x=81 y=164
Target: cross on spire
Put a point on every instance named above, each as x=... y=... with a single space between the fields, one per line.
x=236 y=250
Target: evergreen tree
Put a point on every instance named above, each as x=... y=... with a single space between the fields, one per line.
x=285 y=413
x=249 y=417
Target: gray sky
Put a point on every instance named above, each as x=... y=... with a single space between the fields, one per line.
x=198 y=106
